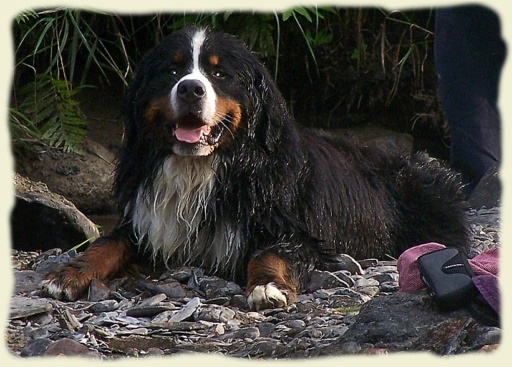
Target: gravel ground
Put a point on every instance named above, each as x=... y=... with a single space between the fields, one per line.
x=185 y=310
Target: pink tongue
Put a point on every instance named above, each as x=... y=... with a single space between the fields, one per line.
x=188 y=135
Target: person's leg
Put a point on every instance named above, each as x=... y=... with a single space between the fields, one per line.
x=469 y=54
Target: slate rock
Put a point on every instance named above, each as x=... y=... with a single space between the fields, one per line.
x=215 y=287
x=187 y=311
x=26 y=281
x=329 y=321
x=149 y=310
x=221 y=301
x=325 y=280
x=239 y=301
x=172 y=289
x=35 y=347
x=366 y=263
x=445 y=338
x=343 y=262
x=244 y=333
x=487 y=193
x=69 y=347
x=53 y=262
x=155 y=300
x=403 y=321
x=453 y=336
x=98 y=291
x=104 y=306
x=389 y=286
x=267 y=348
x=23 y=307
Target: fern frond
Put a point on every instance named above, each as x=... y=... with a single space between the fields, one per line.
x=50 y=109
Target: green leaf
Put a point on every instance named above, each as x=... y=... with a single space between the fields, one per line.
x=297 y=10
x=305 y=13
x=287 y=14
x=50 y=113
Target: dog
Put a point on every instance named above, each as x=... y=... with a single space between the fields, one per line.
x=214 y=172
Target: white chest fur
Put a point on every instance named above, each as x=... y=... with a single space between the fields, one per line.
x=169 y=221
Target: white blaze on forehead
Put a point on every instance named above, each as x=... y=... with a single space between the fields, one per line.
x=208 y=103
x=197 y=42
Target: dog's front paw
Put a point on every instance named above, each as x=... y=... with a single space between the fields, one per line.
x=268 y=296
x=67 y=283
x=271 y=282
x=105 y=258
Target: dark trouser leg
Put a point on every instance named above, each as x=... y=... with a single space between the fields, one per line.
x=469 y=54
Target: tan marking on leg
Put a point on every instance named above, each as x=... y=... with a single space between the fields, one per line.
x=103 y=260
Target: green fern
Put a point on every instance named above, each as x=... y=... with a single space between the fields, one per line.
x=49 y=112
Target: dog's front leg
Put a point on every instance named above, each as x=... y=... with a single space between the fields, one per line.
x=271 y=282
x=106 y=257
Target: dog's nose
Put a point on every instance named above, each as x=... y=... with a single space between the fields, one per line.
x=191 y=90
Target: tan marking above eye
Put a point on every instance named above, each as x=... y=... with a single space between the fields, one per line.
x=178 y=57
x=213 y=60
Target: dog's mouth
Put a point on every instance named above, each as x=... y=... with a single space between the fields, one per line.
x=190 y=133
x=193 y=136
x=204 y=134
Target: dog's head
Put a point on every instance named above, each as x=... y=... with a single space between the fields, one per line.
x=197 y=93
x=194 y=91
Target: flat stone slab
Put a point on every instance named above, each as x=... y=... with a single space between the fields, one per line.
x=23 y=307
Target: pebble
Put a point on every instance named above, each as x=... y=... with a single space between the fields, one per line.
x=104 y=306
x=215 y=313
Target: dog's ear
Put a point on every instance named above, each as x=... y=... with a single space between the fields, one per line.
x=128 y=110
x=271 y=117
x=132 y=158
x=132 y=110
x=125 y=180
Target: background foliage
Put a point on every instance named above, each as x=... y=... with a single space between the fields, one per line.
x=339 y=67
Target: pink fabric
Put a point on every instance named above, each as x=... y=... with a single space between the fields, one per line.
x=486 y=263
x=408 y=273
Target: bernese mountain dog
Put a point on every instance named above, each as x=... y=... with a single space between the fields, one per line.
x=214 y=172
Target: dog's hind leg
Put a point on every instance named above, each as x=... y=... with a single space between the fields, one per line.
x=102 y=260
x=271 y=283
x=432 y=205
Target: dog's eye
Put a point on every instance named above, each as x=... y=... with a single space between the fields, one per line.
x=173 y=72
x=218 y=74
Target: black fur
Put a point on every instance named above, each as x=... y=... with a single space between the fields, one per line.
x=302 y=195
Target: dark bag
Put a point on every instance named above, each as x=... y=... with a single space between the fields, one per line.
x=448 y=278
